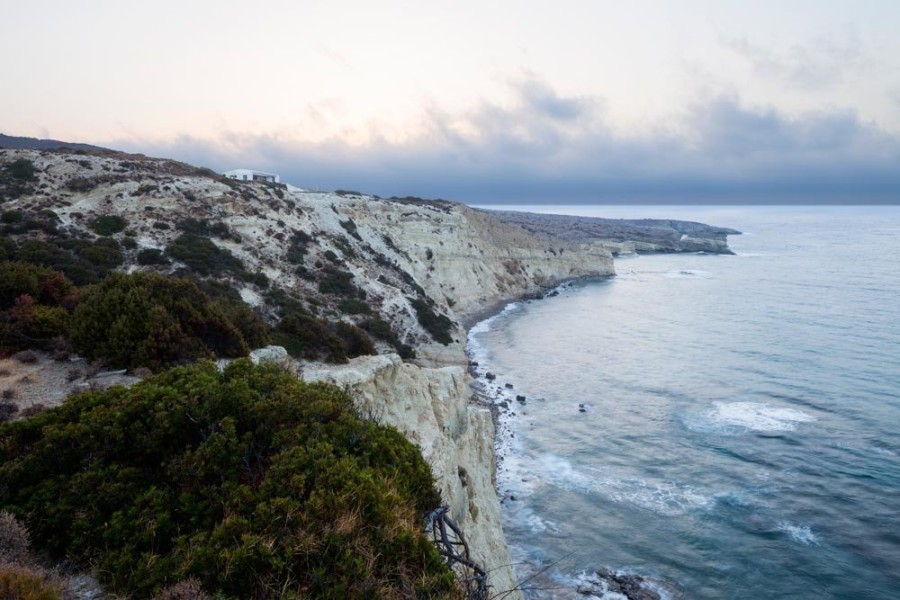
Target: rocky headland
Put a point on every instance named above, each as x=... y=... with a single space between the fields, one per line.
x=424 y=269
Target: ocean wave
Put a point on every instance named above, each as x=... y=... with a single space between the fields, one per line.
x=665 y=498
x=752 y=416
x=801 y=534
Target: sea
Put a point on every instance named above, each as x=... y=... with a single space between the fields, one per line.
x=722 y=427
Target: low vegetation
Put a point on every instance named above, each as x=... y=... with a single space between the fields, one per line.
x=311 y=338
x=35 y=303
x=248 y=483
x=108 y=225
x=438 y=325
x=148 y=320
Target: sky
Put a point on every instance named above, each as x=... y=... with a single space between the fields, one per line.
x=485 y=102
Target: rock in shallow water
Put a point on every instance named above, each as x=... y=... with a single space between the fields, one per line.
x=606 y=583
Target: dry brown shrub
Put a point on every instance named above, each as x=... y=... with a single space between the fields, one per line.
x=14 y=539
x=19 y=582
x=189 y=589
x=28 y=357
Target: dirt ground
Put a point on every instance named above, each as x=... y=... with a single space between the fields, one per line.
x=48 y=383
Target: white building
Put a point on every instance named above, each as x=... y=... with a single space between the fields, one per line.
x=250 y=175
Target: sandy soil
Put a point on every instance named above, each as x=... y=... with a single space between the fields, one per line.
x=48 y=382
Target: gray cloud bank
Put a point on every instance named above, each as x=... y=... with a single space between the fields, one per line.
x=547 y=148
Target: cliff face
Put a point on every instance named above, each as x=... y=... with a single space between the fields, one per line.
x=431 y=407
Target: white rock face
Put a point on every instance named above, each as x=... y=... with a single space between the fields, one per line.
x=431 y=407
x=269 y=354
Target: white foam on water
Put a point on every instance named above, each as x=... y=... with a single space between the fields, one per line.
x=801 y=534
x=756 y=416
x=666 y=498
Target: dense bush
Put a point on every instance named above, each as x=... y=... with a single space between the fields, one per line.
x=439 y=326
x=354 y=306
x=66 y=256
x=42 y=284
x=202 y=256
x=34 y=306
x=380 y=329
x=22 y=169
x=305 y=336
x=108 y=225
x=253 y=329
x=339 y=283
x=147 y=320
x=297 y=249
x=151 y=256
x=249 y=480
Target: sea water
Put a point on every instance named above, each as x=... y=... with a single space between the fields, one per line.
x=725 y=426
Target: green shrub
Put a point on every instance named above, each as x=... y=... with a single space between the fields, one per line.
x=31 y=325
x=305 y=336
x=39 y=252
x=254 y=330
x=202 y=256
x=339 y=283
x=350 y=227
x=439 y=326
x=356 y=341
x=22 y=169
x=103 y=256
x=43 y=284
x=192 y=225
x=148 y=320
x=108 y=225
x=12 y=216
x=7 y=248
x=151 y=256
x=297 y=249
x=202 y=227
x=254 y=483
x=354 y=306
x=34 y=306
x=382 y=330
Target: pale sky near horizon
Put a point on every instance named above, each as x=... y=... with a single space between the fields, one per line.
x=510 y=101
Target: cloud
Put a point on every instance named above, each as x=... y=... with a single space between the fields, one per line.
x=821 y=63
x=546 y=147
